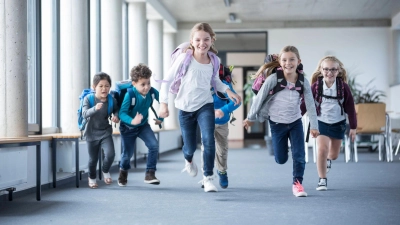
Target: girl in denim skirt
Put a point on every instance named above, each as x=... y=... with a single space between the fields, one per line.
x=282 y=109
x=333 y=101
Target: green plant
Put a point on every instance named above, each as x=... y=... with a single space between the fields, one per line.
x=248 y=92
x=364 y=94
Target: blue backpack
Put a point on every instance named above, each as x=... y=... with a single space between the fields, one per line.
x=125 y=86
x=90 y=93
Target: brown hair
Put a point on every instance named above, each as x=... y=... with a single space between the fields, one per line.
x=141 y=71
x=206 y=28
x=317 y=73
x=101 y=76
x=267 y=68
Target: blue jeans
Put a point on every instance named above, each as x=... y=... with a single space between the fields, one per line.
x=94 y=149
x=280 y=135
x=128 y=138
x=205 y=118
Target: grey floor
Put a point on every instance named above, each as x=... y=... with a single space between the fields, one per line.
x=367 y=192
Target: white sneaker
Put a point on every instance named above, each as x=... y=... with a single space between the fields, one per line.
x=208 y=184
x=322 y=184
x=191 y=168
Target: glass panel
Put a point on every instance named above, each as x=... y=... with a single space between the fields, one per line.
x=31 y=62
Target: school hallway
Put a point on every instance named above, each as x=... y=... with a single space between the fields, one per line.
x=259 y=192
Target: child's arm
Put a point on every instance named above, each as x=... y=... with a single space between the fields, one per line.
x=349 y=108
x=260 y=98
x=310 y=105
x=88 y=111
x=164 y=89
x=231 y=106
x=124 y=115
x=303 y=103
x=115 y=117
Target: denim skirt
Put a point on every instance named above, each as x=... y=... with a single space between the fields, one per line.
x=335 y=130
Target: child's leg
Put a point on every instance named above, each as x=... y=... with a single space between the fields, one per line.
x=93 y=150
x=221 y=139
x=206 y=120
x=323 y=143
x=280 y=136
x=334 y=148
x=296 y=136
x=150 y=140
x=128 y=138
x=107 y=144
x=188 y=123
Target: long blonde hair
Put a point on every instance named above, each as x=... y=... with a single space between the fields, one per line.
x=267 y=68
x=206 y=28
x=317 y=73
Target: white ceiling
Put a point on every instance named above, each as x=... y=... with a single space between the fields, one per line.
x=264 y=14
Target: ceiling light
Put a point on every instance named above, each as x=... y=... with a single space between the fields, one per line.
x=233 y=19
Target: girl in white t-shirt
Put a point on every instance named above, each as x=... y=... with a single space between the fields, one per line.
x=194 y=98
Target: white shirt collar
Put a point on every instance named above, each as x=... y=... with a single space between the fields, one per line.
x=333 y=87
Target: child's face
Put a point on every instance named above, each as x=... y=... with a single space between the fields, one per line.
x=201 y=41
x=142 y=85
x=102 y=89
x=329 y=69
x=289 y=62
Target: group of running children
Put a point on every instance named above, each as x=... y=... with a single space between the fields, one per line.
x=282 y=99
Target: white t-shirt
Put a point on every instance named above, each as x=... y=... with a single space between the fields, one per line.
x=330 y=108
x=194 y=91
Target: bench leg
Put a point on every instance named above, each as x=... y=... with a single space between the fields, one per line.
x=53 y=161
x=77 y=162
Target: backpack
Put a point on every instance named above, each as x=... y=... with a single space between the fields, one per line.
x=225 y=74
x=281 y=81
x=174 y=88
x=125 y=86
x=319 y=93
x=90 y=93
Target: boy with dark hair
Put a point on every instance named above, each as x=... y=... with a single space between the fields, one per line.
x=134 y=123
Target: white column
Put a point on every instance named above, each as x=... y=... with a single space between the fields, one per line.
x=137 y=33
x=13 y=69
x=155 y=52
x=111 y=39
x=74 y=71
x=169 y=45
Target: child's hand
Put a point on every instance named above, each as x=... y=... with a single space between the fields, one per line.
x=137 y=120
x=115 y=119
x=314 y=133
x=157 y=122
x=98 y=106
x=235 y=97
x=163 y=111
x=219 y=114
x=247 y=124
x=352 y=134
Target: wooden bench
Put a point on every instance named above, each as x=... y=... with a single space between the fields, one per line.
x=10 y=142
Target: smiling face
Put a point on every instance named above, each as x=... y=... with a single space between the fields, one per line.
x=102 y=89
x=329 y=69
x=142 y=85
x=201 y=41
x=289 y=62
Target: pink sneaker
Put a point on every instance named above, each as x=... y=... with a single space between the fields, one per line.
x=298 y=190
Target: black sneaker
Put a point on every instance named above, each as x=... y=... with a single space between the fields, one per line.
x=328 y=165
x=123 y=178
x=322 y=184
x=151 y=178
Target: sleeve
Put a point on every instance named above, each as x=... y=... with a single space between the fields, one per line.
x=261 y=97
x=115 y=108
x=349 y=108
x=87 y=111
x=230 y=107
x=310 y=105
x=124 y=111
x=303 y=103
x=169 y=77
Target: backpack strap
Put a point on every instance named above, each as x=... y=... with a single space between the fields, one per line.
x=153 y=96
x=110 y=104
x=339 y=94
x=91 y=100
x=282 y=83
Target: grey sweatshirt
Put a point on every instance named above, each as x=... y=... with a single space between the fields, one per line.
x=259 y=108
x=98 y=126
